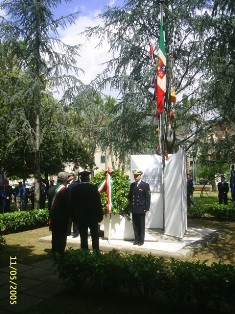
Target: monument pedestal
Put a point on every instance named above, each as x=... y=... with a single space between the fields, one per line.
x=117 y=227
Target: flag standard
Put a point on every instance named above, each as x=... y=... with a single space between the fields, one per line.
x=161 y=73
x=151 y=51
x=107 y=184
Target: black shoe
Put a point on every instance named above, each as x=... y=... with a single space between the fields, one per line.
x=136 y=243
x=140 y=243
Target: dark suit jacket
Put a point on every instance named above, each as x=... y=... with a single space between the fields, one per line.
x=139 y=197
x=85 y=204
x=223 y=188
x=58 y=212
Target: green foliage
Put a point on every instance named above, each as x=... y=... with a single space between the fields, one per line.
x=145 y=273
x=218 y=211
x=23 y=220
x=208 y=168
x=222 y=212
x=206 y=46
x=90 y=113
x=36 y=131
x=202 y=283
x=121 y=186
x=180 y=282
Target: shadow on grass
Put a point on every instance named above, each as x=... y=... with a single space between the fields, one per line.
x=212 y=223
x=24 y=255
x=222 y=248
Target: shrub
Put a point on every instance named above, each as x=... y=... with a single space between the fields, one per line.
x=179 y=282
x=196 y=211
x=121 y=186
x=218 y=211
x=23 y=220
x=222 y=212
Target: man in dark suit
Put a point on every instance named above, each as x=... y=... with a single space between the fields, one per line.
x=72 y=227
x=58 y=213
x=139 y=198
x=190 y=190
x=223 y=191
x=86 y=209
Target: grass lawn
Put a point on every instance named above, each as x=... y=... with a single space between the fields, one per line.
x=28 y=249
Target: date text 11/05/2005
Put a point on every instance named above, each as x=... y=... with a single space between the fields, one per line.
x=12 y=280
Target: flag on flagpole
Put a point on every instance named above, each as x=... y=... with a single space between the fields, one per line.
x=160 y=87
x=107 y=184
x=151 y=51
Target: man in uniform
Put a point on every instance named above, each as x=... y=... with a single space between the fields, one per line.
x=139 y=198
x=223 y=191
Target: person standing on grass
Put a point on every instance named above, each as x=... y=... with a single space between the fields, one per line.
x=86 y=209
x=72 y=226
x=139 y=198
x=18 y=192
x=24 y=203
x=58 y=213
x=223 y=191
x=232 y=183
x=190 y=190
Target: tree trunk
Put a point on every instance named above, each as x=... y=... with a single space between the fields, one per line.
x=213 y=184
x=37 y=164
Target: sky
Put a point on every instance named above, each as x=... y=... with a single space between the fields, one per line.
x=91 y=58
x=86 y=7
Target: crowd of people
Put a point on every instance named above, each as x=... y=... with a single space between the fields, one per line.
x=20 y=196
x=75 y=205
x=77 y=202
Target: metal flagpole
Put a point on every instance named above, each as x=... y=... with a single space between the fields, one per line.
x=162 y=134
x=110 y=227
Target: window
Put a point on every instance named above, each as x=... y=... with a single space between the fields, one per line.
x=102 y=159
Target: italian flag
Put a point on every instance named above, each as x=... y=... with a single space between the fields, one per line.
x=160 y=88
x=107 y=184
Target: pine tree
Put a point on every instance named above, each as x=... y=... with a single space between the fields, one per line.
x=30 y=32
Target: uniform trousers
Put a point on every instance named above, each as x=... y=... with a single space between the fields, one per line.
x=83 y=229
x=139 y=227
x=223 y=198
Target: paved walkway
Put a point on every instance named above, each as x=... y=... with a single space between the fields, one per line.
x=156 y=242
x=39 y=281
x=34 y=284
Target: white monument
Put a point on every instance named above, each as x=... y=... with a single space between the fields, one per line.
x=168 y=210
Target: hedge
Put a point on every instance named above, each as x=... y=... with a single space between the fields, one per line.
x=23 y=220
x=177 y=282
x=218 y=211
